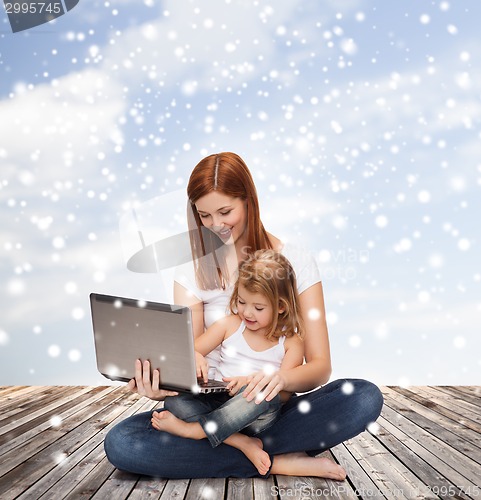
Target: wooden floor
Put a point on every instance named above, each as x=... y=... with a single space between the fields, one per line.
x=426 y=444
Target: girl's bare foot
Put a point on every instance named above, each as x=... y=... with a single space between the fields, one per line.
x=168 y=422
x=301 y=464
x=252 y=449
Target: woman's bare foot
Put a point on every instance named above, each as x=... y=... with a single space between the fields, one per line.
x=252 y=449
x=301 y=464
x=168 y=422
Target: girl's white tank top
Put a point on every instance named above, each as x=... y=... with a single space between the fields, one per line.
x=238 y=358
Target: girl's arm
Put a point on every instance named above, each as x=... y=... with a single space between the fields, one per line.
x=213 y=336
x=317 y=369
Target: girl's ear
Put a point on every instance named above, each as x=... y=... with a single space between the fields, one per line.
x=282 y=308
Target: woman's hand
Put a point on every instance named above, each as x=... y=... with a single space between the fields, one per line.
x=142 y=384
x=201 y=366
x=234 y=384
x=262 y=386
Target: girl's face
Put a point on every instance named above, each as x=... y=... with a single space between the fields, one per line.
x=255 y=310
x=225 y=215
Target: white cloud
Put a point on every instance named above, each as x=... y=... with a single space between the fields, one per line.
x=283 y=214
x=54 y=132
x=202 y=45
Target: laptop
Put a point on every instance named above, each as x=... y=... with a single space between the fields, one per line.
x=129 y=329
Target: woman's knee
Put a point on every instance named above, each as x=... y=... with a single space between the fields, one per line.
x=114 y=445
x=125 y=438
x=370 y=400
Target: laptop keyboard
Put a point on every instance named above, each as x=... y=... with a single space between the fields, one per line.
x=213 y=385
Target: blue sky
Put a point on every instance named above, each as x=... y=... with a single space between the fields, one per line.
x=360 y=123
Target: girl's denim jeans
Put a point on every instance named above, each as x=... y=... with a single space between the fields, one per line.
x=221 y=415
x=312 y=422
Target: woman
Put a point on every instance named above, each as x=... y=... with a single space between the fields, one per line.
x=223 y=198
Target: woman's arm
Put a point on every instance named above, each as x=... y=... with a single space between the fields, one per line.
x=294 y=353
x=294 y=356
x=317 y=369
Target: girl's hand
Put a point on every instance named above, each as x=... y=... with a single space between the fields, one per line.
x=234 y=384
x=143 y=386
x=201 y=366
x=262 y=386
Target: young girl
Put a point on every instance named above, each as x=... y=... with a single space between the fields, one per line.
x=263 y=334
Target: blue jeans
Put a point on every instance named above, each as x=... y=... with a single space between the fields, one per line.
x=334 y=415
x=221 y=415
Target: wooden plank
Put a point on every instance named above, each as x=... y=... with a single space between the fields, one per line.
x=47 y=438
x=450 y=407
x=396 y=479
x=105 y=477
x=148 y=488
x=461 y=392
x=458 y=398
x=304 y=487
x=342 y=488
x=91 y=483
x=474 y=391
x=456 y=467
x=44 y=412
x=312 y=488
x=32 y=468
x=459 y=402
x=240 y=489
x=442 y=429
x=14 y=394
x=35 y=403
x=263 y=488
x=52 y=487
x=5 y=390
x=362 y=483
x=175 y=489
x=73 y=470
x=14 y=442
x=437 y=412
x=373 y=465
x=433 y=479
x=206 y=489
x=444 y=469
x=118 y=486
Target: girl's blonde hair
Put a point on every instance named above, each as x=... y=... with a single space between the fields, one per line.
x=269 y=273
x=227 y=174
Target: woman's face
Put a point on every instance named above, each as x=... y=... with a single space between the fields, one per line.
x=225 y=215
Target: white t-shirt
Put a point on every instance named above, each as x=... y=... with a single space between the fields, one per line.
x=216 y=302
